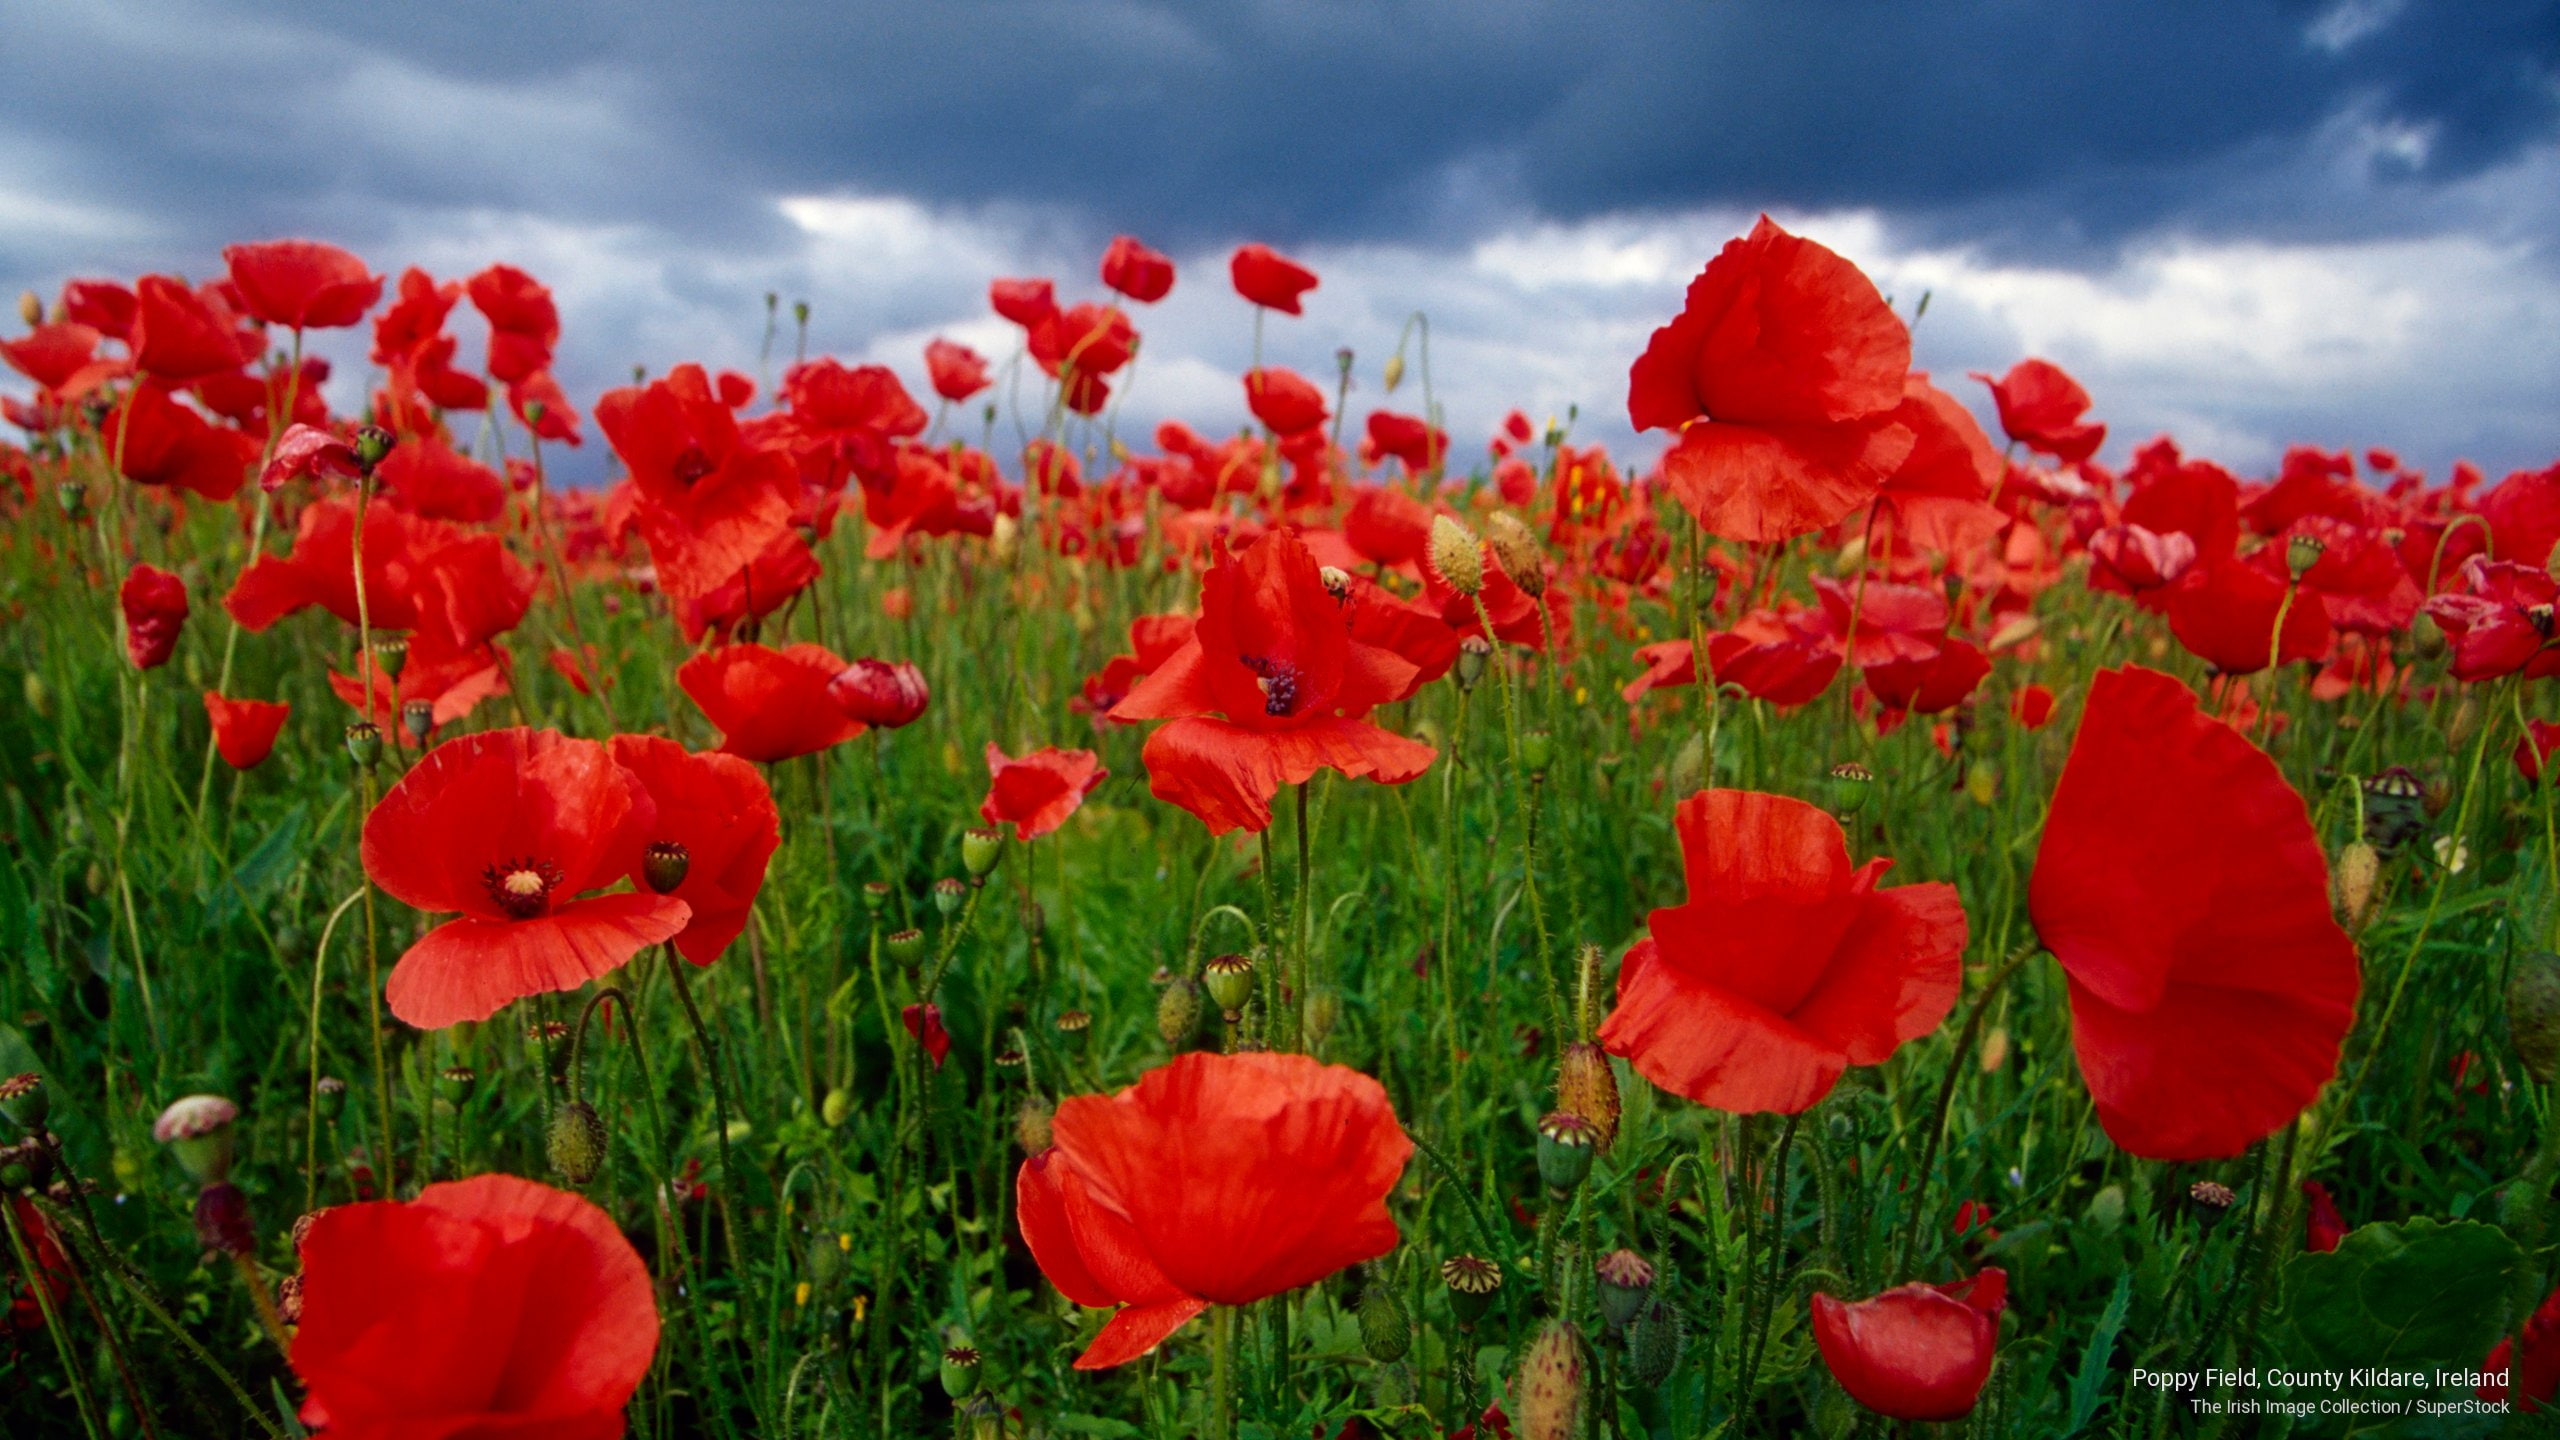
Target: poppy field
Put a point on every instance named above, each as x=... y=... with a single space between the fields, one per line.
x=917 y=906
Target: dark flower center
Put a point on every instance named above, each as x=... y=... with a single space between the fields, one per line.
x=692 y=465
x=1279 y=682
x=522 y=888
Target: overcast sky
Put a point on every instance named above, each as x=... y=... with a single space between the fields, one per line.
x=2242 y=222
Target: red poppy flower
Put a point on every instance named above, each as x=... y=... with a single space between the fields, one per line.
x=427 y=476
x=1783 y=657
x=2523 y=513
x=720 y=810
x=1930 y=686
x=155 y=607
x=2041 y=408
x=1785 y=966
x=1917 y=1352
x=524 y=322
x=485 y=1307
x=2534 y=747
x=541 y=406
x=1274 y=655
x=1024 y=302
x=1270 y=279
x=1143 y=275
x=181 y=334
x=1387 y=526
x=1409 y=438
x=2032 y=706
x=509 y=827
x=2322 y=1226
x=710 y=498
x=2225 y=614
x=924 y=1024
x=879 y=692
x=849 y=405
x=2537 y=1375
x=1216 y=1179
x=244 y=730
x=1083 y=346
x=1781 y=376
x=308 y=452
x=769 y=704
x=780 y=571
x=2136 y=561
x=1036 y=792
x=26 y=1312
x=1284 y=400
x=415 y=317
x=102 y=305
x=1939 y=496
x=2181 y=887
x=2499 y=622
x=51 y=355
x=159 y=441
x=957 y=371
x=302 y=284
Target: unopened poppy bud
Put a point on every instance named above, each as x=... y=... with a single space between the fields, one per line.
x=1687 y=772
x=1456 y=555
x=1537 y=751
x=1317 y=1017
x=24 y=1101
x=364 y=744
x=1394 y=374
x=391 y=655
x=948 y=892
x=373 y=443
x=2211 y=1199
x=1846 y=788
x=1549 y=1386
x=2354 y=881
x=2533 y=1013
x=1230 y=982
x=456 y=1082
x=1566 y=1143
x=1385 y=1332
x=222 y=1220
x=332 y=1094
x=1473 y=651
x=575 y=1143
x=980 y=849
x=31 y=308
x=1073 y=1026
x=1517 y=552
x=2426 y=636
x=1982 y=783
x=1178 y=1012
x=2435 y=793
x=2301 y=553
x=197 y=1131
x=664 y=864
x=1473 y=1282
x=1995 y=1050
x=1654 y=1344
x=1626 y=1282
x=836 y=1108
x=71 y=495
x=1031 y=1124
x=959 y=1372
x=417 y=720
x=906 y=947
x=1586 y=1086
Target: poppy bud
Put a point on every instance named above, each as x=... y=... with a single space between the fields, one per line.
x=1687 y=772
x=836 y=1108
x=1917 y=1352
x=24 y=1101
x=2212 y=1200
x=1031 y=1124
x=25 y=1164
x=1982 y=783
x=878 y=692
x=70 y=495
x=364 y=744
x=1393 y=377
x=1457 y=557
x=332 y=1093
x=1566 y=1143
x=1178 y=1012
x=664 y=864
x=1473 y=1282
x=980 y=849
x=1549 y=1385
x=30 y=308
x=1473 y=651
x=373 y=443
x=959 y=1372
x=906 y=947
x=197 y=1131
x=455 y=1083
x=2426 y=637
x=391 y=655
x=155 y=610
x=222 y=1220
x=948 y=892
x=575 y=1143
x=418 y=720
x=1517 y=552
x=1626 y=1282
x=1537 y=752
x=1073 y=1026
x=1654 y=1343
x=2533 y=1013
x=2352 y=883
x=1846 y=788
x=1318 y=1016
x=1995 y=1050
x=1586 y=1086
x=2301 y=553
x=1384 y=1331
x=1230 y=982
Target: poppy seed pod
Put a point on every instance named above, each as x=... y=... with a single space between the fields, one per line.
x=1385 y=1332
x=332 y=1093
x=1073 y=1026
x=364 y=744
x=2533 y=1013
x=456 y=1082
x=575 y=1143
x=1473 y=1282
x=373 y=443
x=1473 y=652
x=959 y=1372
x=1586 y=1086
x=1566 y=1143
x=417 y=720
x=2301 y=553
x=391 y=655
x=665 y=864
x=197 y=1131
x=25 y=1164
x=71 y=495
x=23 y=1100
x=1846 y=788
x=1229 y=979
x=906 y=947
x=948 y=893
x=979 y=850
x=1457 y=556
x=1549 y=1386
x=1654 y=1343
x=1178 y=1012
x=1537 y=752
x=1516 y=551
x=875 y=895
x=2211 y=1199
x=1626 y=1282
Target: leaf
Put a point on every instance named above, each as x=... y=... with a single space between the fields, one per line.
x=274 y=858
x=2087 y=1385
x=2411 y=1296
